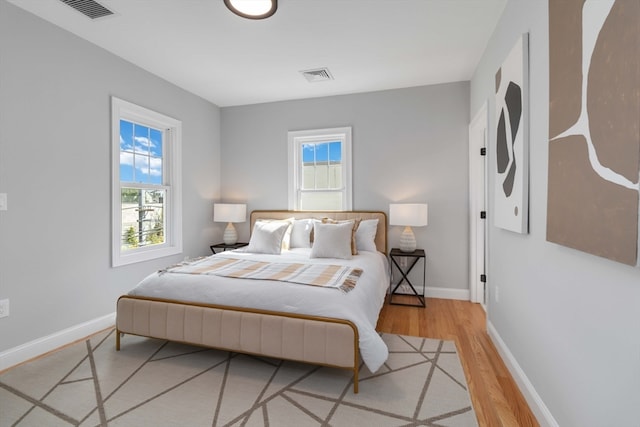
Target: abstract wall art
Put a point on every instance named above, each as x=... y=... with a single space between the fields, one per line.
x=511 y=207
x=594 y=127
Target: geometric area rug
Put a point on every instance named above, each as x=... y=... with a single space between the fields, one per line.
x=157 y=383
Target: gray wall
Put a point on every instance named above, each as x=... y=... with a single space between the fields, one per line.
x=569 y=319
x=409 y=145
x=55 y=246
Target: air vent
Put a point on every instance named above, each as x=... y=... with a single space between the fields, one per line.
x=89 y=8
x=317 y=75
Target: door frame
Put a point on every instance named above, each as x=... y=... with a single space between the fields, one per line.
x=478 y=138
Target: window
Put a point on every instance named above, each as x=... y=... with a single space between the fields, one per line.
x=320 y=169
x=146 y=199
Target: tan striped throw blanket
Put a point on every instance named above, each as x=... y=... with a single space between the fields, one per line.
x=331 y=276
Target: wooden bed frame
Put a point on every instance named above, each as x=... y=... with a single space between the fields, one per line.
x=311 y=339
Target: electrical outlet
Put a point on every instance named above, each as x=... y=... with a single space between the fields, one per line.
x=496 y=293
x=4 y=308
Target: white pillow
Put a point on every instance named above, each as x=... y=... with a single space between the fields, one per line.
x=356 y=223
x=366 y=235
x=301 y=233
x=267 y=236
x=287 y=235
x=286 y=240
x=332 y=240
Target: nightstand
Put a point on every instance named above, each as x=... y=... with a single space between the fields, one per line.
x=225 y=247
x=414 y=257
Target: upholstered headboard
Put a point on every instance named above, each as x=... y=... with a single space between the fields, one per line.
x=381 y=233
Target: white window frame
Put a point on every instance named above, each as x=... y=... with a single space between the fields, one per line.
x=172 y=174
x=296 y=139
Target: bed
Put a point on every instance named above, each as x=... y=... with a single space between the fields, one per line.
x=311 y=324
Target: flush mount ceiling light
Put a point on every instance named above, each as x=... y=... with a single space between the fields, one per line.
x=252 y=9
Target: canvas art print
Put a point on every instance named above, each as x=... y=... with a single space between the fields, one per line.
x=594 y=127
x=511 y=210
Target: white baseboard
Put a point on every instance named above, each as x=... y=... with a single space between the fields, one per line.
x=447 y=293
x=539 y=409
x=40 y=346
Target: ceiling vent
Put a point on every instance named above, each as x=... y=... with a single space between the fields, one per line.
x=317 y=75
x=89 y=8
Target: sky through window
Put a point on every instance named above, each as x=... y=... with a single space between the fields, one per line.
x=140 y=153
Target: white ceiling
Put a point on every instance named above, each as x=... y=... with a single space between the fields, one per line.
x=367 y=45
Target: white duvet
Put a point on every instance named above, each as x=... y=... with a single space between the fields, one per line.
x=361 y=305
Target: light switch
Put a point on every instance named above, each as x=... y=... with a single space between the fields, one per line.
x=3 y=201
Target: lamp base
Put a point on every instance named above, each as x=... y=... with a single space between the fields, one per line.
x=407 y=240
x=230 y=236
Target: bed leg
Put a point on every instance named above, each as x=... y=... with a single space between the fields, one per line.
x=355 y=380
x=117 y=340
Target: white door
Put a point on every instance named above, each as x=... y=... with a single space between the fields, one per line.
x=477 y=204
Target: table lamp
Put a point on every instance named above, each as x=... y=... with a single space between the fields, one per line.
x=408 y=215
x=229 y=213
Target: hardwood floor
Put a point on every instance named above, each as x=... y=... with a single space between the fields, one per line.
x=495 y=395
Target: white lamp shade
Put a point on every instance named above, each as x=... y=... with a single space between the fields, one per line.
x=408 y=214
x=229 y=212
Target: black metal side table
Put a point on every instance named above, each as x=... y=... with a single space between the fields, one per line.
x=225 y=247
x=415 y=256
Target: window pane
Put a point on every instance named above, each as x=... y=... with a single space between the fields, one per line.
x=142 y=217
x=321 y=200
x=142 y=168
x=141 y=139
x=155 y=170
x=322 y=175
x=322 y=153
x=126 y=151
x=308 y=177
x=155 y=145
x=335 y=152
x=308 y=153
x=335 y=176
x=126 y=136
x=126 y=167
